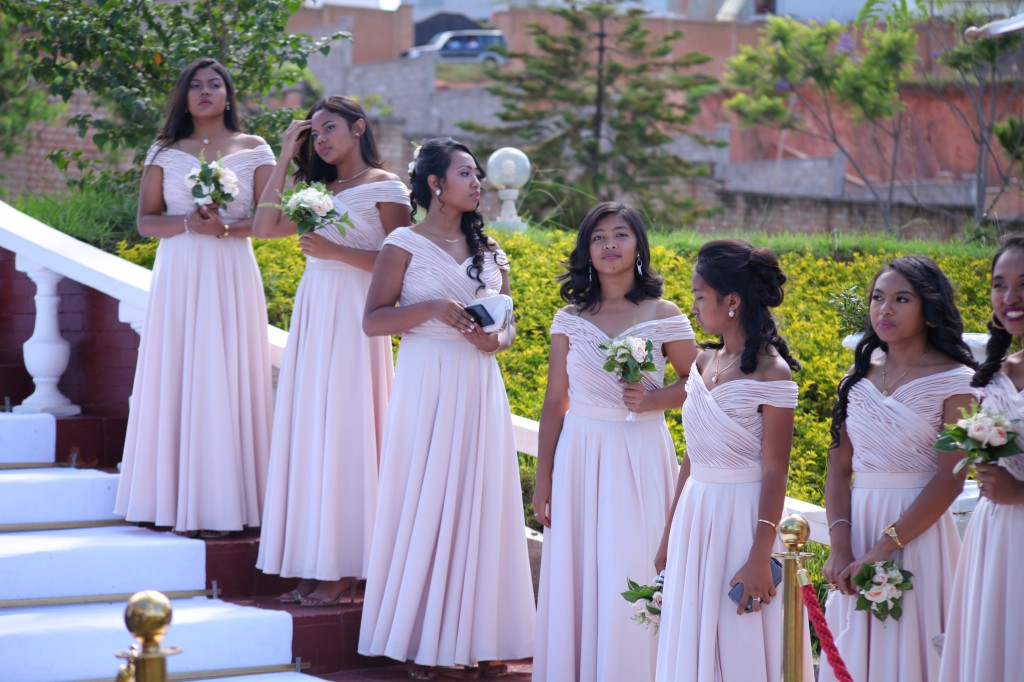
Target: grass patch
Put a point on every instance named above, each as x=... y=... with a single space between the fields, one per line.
x=461 y=72
x=100 y=217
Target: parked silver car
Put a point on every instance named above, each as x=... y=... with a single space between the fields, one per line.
x=470 y=46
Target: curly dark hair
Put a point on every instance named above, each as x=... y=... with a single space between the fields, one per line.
x=434 y=158
x=179 y=122
x=309 y=167
x=944 y=327
x=733 y=266
x=580 y=287
x=999 y=339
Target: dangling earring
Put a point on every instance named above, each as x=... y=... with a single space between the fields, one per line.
x=996 y=324
x=229 y=107
x=590 y=271
x=639 y=269
x=732 y=313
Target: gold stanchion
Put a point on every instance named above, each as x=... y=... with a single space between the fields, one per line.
x=147 y=616
x=794 y=531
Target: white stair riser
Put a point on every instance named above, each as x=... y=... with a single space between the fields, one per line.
x=52 y=495
x=27 y=437
x=79 y=642
x=92 y=561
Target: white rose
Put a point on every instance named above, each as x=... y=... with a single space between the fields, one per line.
x=657 y=598
x=637 y=348
x=323 y=205
x=876 y=594
x=895 y=576
x=639 y=606
x=192 y=179
x=891 y=591
x=293 y=203
x=964 y=424
x=980 y=429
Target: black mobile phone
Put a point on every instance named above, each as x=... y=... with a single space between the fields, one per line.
x=480 y=315
x=736 y=593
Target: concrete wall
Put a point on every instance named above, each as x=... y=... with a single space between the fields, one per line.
x=816 y=177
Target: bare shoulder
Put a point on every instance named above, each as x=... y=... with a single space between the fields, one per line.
x=571 y=309
x=774 y=368
x=246 y=141
x=381 y=175
x=492 y=245
x=663 y=309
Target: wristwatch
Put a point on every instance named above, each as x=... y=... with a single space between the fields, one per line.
x=890 y=530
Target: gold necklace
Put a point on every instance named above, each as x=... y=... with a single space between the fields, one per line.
x=450 y=241
x=886 y=387
x=718 y=362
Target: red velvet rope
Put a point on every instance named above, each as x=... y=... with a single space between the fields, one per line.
x=828 y=643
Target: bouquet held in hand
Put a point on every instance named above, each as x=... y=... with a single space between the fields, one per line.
x=627 y=357
x=983 y=434
x=646 y=600
x=880 y=588
x=211 y=183
x=310 y=207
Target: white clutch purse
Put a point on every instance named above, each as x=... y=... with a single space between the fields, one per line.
x=492 y=313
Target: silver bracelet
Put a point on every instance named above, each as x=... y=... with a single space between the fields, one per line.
x=766 y=522
x=187 y=228
x=837 y=522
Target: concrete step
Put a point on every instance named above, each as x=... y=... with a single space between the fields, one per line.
x=28 y=438
x=78 y=642
x=98 y=561
x=55 y=495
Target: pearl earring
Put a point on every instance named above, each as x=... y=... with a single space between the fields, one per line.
x=229 y=107
x=732 y=313
x=437 y=191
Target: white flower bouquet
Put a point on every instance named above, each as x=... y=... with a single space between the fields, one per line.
x=881 y=587
x=646 y=601
x=627 y=358
x=211 y=183
x=983 y=434
x=310 y=207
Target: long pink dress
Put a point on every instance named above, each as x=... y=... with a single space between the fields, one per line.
x=449 y=579
x=612 y=487
x=893 y=459
x=702 y=637
x=195 y=454
x=332 y=394
x=985 y=630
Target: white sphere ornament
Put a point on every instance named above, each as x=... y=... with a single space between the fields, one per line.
x=508 y=169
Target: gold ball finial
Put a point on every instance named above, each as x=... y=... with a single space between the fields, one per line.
x=148 y=616
x=794 y=531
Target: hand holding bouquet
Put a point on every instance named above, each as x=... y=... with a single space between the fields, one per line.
x=211 y=183
x=627 y=358
x=310 y=207
x=646 y=600
x=983 y=434
x=880 y=588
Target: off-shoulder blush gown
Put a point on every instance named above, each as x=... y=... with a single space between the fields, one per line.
x=985 y=629
x=195 y=454
x=702 y=637
x=893 y=459
x=612 y=487
x=332 y=395
x=449 y=578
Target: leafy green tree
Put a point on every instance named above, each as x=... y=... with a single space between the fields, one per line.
x=127 y=54
x=861 y=83
x=24 y=102
x=594 y=107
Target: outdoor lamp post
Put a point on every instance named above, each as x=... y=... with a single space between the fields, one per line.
x=508 y=169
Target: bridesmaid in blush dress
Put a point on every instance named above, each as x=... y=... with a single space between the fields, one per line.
x=195 y=454
x=604 y=481
x=984 y=630
x=738 y=419
x=449 y=578
x=333 y=387
x=890 y=409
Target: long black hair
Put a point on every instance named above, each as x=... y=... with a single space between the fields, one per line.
x=581 y=287
x=179 y=122
x=999 y=339
x=433 y=158
x=733 y=266
x=310 y=167
x=943 y=326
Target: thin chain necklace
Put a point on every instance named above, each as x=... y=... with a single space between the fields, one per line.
x=885 y=386
x=718 y=362
x=438 y=236
x=341 y=180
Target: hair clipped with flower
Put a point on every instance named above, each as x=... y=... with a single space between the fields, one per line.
x=412 y=164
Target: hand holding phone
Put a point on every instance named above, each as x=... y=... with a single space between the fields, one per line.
x=736 y=593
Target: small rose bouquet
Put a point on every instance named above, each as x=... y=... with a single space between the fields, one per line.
x=881 y=587
x=646 y=601
x=627 y=358
x=310 y=207
x=983 y=434
x=211 y=183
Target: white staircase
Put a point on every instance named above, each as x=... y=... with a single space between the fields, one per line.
x=67 y=566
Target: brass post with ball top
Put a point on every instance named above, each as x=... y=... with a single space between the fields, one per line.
x=793 y=530
x=147 y=616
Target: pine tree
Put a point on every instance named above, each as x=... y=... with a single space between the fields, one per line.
x=594 y=106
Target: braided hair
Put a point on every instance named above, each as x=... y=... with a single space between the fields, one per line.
x=944 y=327
x=580 y=287
x=999 y=339
x=433 y=158
x=733 y=266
